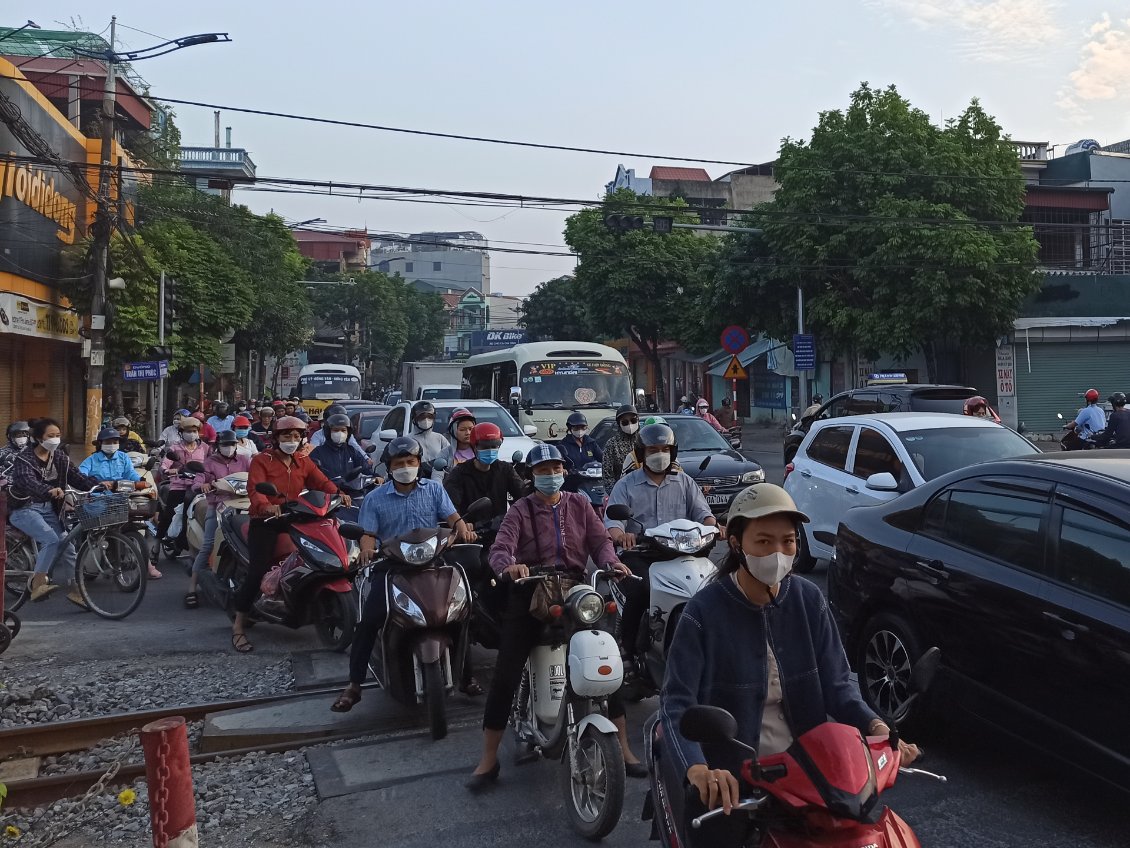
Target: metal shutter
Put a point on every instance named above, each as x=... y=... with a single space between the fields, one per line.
x=8 y=411
x=1060 y=373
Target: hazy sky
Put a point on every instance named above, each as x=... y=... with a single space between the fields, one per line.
x=721 y=80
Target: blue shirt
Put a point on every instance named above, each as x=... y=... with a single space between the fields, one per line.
x=578 y=456
x=117 y=466
x=1091 y=420
x=386 y=512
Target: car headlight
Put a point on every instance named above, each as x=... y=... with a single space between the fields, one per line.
x=458 y=598
x=587 y=607
x=757 y=476
x=408 y=606
x=419 y=553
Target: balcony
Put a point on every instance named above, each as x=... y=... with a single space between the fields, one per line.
x=1031 y=151
x=222 y=163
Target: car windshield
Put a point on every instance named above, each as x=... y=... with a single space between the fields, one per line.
x=483 y=415
x=942 y=450
x=694 y=434
x=448 y=393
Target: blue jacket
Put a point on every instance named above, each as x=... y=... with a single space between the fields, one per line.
x=336 y=460
x=718 y=657
x=104 y=468
x=578 y=456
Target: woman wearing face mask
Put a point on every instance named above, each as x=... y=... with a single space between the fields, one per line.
x=290 y=472
x=423 y=421
x=336 y=456
x=761 y=643
x=620 y=445
x=578 y=447
x=187 y=447
x=246 y=443
x=223 y=461
x=40 y=476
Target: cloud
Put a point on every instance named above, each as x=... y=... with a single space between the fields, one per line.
x=988 y=30
x=1104 y=63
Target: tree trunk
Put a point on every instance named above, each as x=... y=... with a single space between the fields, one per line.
x=930 y=353
x=650 y=348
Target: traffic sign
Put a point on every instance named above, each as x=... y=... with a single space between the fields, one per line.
x=734 y=339
x=804 y=352
x=734 y=370
x=145 y=370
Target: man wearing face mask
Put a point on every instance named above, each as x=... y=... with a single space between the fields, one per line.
x=486 y=476
x=621 y=444
x=578 y=447
x=19 y=434
x=290 y=473
x=656 y=492
x=187 y=447
x=337 y=457
x=761 y=643
x=403 y=504
x=423 y=422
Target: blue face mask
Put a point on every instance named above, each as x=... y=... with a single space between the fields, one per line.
x=242 y=433
x=486 y=457
x=549 y=484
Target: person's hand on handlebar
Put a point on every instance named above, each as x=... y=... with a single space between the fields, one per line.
x=517 y=571
x=716 y=787
x=345 y=499
x=55 y=493
x=625 y=540
x=621 y=570
x=272 y=511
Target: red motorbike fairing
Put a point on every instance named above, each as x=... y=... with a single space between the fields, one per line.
x=890 y=832
x=339 y=585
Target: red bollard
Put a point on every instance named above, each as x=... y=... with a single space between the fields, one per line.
x=172 y=804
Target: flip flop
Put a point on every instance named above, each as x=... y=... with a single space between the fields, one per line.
x=472 y=689
x=191 y=600
x=345 y=701
x=240 y=643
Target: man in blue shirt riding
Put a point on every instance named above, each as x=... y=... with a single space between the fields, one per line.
x=1091 y=419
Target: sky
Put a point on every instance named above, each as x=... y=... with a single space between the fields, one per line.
x=722 y=80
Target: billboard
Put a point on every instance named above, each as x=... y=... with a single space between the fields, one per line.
x=484 y=340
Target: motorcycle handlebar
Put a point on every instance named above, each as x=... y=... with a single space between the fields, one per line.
x=748 y=805
x=941 y=778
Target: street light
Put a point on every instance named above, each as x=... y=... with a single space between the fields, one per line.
x=30 y=24
x=310 y=221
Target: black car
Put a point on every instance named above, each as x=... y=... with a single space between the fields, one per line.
x=1019 y=570
x=726 y=473
x=904 y=397
x=366 y=420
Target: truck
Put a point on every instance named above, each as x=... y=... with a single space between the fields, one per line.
x=430 y=380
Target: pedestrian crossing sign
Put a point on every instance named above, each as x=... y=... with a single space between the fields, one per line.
x=734 y=370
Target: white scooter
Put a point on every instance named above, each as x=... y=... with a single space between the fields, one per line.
x=680 y=565
x=560 y=709
x=233 y=488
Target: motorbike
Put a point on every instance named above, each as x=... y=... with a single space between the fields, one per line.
x=310 y=584
x=678 y=554
x=560 y=708
x=419 y=655
x=589 y=481
x=233 y=487
x=1071 y=441
x=734 y=436
x=823 y=791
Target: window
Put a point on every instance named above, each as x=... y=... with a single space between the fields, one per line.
x=940 y=450
x=874 y=455
x=394 y=420
x=408 y=266
x=478 y=379
x=864 y=403
x=437 y=266
x=934 y=515
x=1003 y=527
x=1093 y=555
x=830 y=446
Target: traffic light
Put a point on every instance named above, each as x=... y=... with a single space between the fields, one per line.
x=161 y=352
x=170 y=304
x=622 y=223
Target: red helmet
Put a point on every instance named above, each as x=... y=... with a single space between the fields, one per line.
x=486 y=434
x=458 y=415
x=974 y=404
x=1092 y=395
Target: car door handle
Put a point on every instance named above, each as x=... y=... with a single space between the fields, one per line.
x=805 y=473
x=1070 y=625
x=934 y=568
x=852 y=490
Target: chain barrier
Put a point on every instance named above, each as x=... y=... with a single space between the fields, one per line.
x=161 y=823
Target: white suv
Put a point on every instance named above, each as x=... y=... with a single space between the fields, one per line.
x=396 y=423
x=869 y=459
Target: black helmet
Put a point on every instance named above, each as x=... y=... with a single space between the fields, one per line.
x=402 y=446
x=818 y=398
x=655 y=434
x=228 y=437
x=241 y=405
x=220 y=409
x=626 y=409
x=334 y=409
x=1118 y=399
x=422 y=407
x=576 y=419
x=338 y=419
x=18 y=427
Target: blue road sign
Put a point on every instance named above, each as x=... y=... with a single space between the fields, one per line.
x=804 y=352
x=145 y=370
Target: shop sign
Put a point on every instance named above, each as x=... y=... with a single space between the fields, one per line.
x=26 y=317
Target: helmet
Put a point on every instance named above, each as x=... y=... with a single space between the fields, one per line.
x=654 y=419
x=183 y=413
x=401 y=446
x=1118 y=399
x=1092 y=395
x=220 y=409
x=486 y=434
x=121 y=421
x=458 y=415
x=726 y=400
x=683 y=399
x=655 y=434
x=198 y=415
x=761 y=500
x=266 y=410
x=576 y=419
x=18 y=427
x=106 y=434
x=422 y=407
x=334 y=409
x=241 y=421
x=543 y=453
x=227 y=437
x=975 y=403
x=338 y=419
x=289 y=422
x=702 y=403
x=818 y=398
x=626 y=409
x=189 y=422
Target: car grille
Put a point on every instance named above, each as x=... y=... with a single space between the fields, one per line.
x=719 y=481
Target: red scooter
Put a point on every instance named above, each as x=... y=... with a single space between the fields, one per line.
x=823 y=791
x=311 y=582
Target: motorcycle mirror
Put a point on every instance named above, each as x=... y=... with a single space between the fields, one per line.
x=477 y=511
x=618 y=512
x=348 y=530
x=517 y=457
x=702 y=723
x=372 y=448
x=924 y=670
x=824 y=537
x=150 y=463
x=160 y=443
x=267 y=489
x=195 y=466
x=439 y=464
x=173 y=455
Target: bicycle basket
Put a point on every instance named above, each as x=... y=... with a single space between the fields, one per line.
x=97 y=511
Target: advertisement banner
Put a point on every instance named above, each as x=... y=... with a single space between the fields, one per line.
x=484 y=340
x=26 y=317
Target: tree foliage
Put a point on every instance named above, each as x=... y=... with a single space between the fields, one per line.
x=901 y=234
x=556 y=311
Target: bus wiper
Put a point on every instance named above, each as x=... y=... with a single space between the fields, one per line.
x=607 y=404
x=554 y=405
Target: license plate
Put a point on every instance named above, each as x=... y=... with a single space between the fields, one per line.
x=717 y=499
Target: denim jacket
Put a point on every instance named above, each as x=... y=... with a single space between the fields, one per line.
x=718 y=657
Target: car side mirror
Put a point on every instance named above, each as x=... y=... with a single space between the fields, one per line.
x=884 y=481
x=349 y=530
x=196 y=466
x=922 y=675
x=387 y=435
x=712 y=725
x=618 y=512
x=530 y=430
x=267 y=489
x=372 y=448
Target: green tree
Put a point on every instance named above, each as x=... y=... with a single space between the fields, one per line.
x=640 y=284
x=427 y=323
x=902 y=235
x=556 y=311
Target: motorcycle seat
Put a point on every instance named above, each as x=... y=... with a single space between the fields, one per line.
x=200 y=510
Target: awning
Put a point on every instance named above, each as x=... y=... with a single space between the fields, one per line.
x=756 y=349
x=1066 y=321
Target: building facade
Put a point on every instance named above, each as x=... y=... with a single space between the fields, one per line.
x=443 y=263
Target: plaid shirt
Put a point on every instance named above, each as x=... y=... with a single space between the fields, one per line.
x=34 y=479
x=387 y=513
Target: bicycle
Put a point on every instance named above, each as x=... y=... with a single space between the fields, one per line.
x=110 y=569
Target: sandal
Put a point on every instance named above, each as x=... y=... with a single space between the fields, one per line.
x=240 y=643
x=346 y=700
x=471 y=688
x=191 y=600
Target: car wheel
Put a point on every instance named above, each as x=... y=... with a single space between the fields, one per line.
x=888 y=649
x=790 y=455
x=805 y=561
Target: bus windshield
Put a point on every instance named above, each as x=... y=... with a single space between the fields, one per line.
x=329 y=387
x=575 y=384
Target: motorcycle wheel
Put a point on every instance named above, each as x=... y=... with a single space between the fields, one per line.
x=594 y=792
x=335 y=618
x=436 y=699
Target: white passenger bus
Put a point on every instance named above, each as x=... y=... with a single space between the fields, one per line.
x=542 y=382
x=321 y=384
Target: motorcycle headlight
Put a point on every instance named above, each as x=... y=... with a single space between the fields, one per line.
x=238 y=485
x=683 y=541
x=408 y=606
x=420 y=553
x=587 y=607
x=458 y=599
x=757 y=476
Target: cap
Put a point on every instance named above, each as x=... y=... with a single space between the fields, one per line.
x=543 y=453
x=183 y=413
x=107 y=434
x=764 y=499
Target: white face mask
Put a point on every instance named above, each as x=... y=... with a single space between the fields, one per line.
x=51 y=444
x=770 y=569
x=579 y=432
x=630 y=429
x=20 y=441
x=425 y=424
x=405 y=475
x=227 y=450
x=658 y=462
x=288 y=447
x=190 y=435
x=339 y=437
x=109 y=449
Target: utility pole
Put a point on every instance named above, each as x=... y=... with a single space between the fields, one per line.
x=805 y=400
x=102 y=231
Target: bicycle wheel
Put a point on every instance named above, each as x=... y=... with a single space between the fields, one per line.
x=18 y=570
x=111 y=577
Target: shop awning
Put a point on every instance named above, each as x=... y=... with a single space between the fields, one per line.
x=756 y=349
